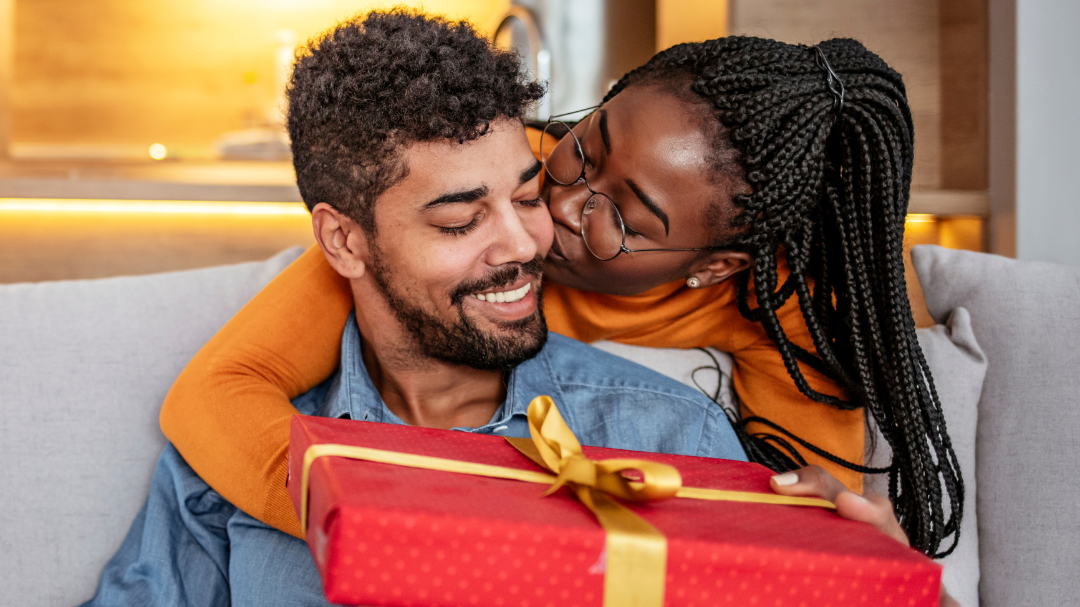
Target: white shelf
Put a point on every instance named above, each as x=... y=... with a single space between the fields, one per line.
x=145 y=190
x=237 y=181
x=273 y=182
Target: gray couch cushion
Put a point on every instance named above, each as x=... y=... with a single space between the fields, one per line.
x=1026 y=318
x=84 y=366
x=958 y=366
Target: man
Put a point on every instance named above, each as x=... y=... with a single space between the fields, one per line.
x=410 y=151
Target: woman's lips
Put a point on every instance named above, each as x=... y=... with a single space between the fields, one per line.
x=556 y=253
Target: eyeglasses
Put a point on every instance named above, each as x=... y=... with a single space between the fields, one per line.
x=602 y=226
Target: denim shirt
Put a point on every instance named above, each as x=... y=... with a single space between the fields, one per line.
x=189 y=546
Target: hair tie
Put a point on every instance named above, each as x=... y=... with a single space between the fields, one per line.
x=836 y=85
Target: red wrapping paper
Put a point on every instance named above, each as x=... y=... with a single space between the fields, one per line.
x=395 y=536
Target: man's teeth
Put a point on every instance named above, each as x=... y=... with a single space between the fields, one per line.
x=504 y=296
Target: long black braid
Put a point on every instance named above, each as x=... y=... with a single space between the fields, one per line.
x=830 y=182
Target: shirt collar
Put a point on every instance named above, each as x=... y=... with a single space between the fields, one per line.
x=354 y=395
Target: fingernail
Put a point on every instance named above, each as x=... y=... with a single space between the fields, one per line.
x=788 y=478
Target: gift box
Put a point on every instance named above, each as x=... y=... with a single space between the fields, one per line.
x=399 y=516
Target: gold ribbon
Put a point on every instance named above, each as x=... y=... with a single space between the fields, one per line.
x=636 y=552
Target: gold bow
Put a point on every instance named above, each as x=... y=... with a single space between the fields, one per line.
x=635 y=551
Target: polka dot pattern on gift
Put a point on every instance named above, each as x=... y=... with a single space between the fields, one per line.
x=386 y=535
x=398 y=559
x=402 y=560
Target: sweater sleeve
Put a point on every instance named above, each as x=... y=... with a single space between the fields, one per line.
x=228 y=412
x=766 y=389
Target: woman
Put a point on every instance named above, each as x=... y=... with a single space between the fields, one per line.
x=739 y=193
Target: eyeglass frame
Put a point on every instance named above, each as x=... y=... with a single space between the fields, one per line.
x=582 y=178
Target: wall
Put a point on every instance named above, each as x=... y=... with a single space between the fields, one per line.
x=1002 y=123
x=7 y=49
x=902 y=32
x=965 y=64
x=106 y=78
x=1047 y=130
x=110 y=77
x=679 y=21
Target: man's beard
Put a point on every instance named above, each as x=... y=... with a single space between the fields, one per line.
x=463 y=343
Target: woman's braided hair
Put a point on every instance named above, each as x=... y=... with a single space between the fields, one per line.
x=830 y=175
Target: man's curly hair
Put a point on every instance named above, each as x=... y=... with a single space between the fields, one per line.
x=365 y=90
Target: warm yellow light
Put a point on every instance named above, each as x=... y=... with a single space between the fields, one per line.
x=920 y=218
x=158 y=151
x=143 y=207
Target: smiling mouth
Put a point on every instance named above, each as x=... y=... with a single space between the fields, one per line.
x=510 y=296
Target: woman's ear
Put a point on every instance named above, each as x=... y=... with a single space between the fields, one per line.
x=341 y=239
x=718 y=266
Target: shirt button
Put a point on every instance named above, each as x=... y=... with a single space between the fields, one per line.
x=500 y=429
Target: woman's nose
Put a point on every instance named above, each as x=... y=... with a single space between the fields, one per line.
x=565 y=203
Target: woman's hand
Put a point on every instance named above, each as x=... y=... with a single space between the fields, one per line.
x=814 y=481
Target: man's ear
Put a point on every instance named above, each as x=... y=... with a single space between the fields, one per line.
x=718 y=266
x=343 y=241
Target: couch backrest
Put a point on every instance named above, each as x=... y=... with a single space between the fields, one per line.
x=84 y=366
x=1026 y=318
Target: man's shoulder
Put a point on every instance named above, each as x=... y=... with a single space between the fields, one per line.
x=578 y=364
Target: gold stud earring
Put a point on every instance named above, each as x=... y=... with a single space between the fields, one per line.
x=693 y=282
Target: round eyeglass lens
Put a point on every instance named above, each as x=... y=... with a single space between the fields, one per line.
x=602 y=227
x=565 y=163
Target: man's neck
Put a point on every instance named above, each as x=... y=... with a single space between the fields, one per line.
x=434 y=394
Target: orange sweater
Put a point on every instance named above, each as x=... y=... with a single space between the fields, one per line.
x=228 y=412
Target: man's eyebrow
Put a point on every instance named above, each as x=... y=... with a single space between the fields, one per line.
x=650 y=205
x=604 y=132
x=531 y=172
x=455 y=197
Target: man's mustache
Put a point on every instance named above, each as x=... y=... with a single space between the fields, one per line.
x=504 y=276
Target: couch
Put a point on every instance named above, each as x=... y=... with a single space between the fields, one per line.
x=84 y=366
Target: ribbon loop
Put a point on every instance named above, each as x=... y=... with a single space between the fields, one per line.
x=561 y=453
x=550 y=433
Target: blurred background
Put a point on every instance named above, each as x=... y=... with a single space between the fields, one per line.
x=145 y=135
